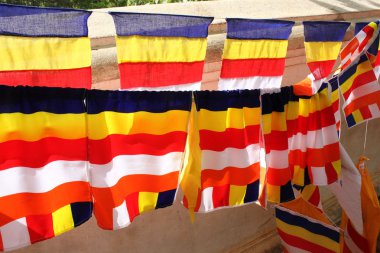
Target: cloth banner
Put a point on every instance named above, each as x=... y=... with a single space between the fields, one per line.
x=44 y=189
x=136 y=145
x=254 y=53
x=160 y=52
x=44 y=47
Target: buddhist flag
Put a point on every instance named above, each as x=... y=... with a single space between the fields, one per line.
x=302 y=227
x=44 y=189
x=228 y=150
x=160 y=52
x=136 y=144
x=44 y=47
x=274 y=127
x=333 y=87
x=312 y=138
x=254 y=53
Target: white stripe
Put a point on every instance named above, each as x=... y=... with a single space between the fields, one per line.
x=277 y=159
x=363 y=91
x=233 y=157
x=313 y=139
x=15 y=234
x=120 y=216
x=256 y=82
x=107 y=175
x=38 y=180
x=319 y=175
x=207 y=203
x=360 y=36
x=376 y=70
x=292 y=249
x=351 y=244
x=374 y=109
x=177 y=87
x=348 y=191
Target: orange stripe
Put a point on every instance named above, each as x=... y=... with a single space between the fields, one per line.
x=230 y=176
x=364 y=101
x=25 y=204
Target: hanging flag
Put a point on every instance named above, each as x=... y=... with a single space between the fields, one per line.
x=44 y=189
x=44 y=47
x=159 y=51
x=254 y=53
x=302 y=227
x=312 y=138
x=278 y=176
x=333 y=87
x=136 y=144
x=228 y=149
x=323 y=40
x=362 y=239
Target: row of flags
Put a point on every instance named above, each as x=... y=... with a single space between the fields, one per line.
x=68 y=151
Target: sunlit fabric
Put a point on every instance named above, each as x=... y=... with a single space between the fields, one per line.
x=254 y=53
x=160 y=52
x=44 y=189
x=44 y=47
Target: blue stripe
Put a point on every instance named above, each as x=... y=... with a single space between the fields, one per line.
x=165 y=199
x=252 y=192
x=313 y=227
x=222 y=100
x=359 y=26
x=275 y=102
x=81 y=212
x=286 y=192
x=350 y=120
x=42 y=22
x=134 y=101
x=258 y=29
x=324 y=30
x=334 y=83
x=29 y=100
x=145 y=24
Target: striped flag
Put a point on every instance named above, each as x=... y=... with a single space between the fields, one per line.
x=334 y=94
x=312 y=138
x=323 y=40
x=254 y=53
x=304 y=228
x=44 y=189
x=44 y=47
x=274 y=126
x=159 y=51
x=136 y=144
x=228 y=150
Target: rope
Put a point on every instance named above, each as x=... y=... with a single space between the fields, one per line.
x=365 y=137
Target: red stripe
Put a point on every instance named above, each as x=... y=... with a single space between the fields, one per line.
x=278 y=177
x=360 y=80
x=366 y=113
x=252 y=67
x=349 y=49
x=301 y=243
x=372 y=98
x=230 y=138
x=276 y=140
x=40 y=227
x=314 y=121
x=315 y=197
x=321 y=69
x=39 y=153
x=132 y=202
x=69 y=78
x=345 y=248
x=369 y=31
x=220 y=195
x=230 y=175
x=360 y=241
x=1 y=244
x=157 y=74
x=104 y=150
x=317 y=157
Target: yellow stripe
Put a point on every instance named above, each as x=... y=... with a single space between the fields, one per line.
x=254 y=49
x=273 y=193
x=107 y=123
x=357 y=116
x=35 y=126
x=276 y=121
x=24 y=53
x=237 y=194
x=299 y=175
x=322 y=51
x=308 y=191
x=232 y=118
x=308 y=236
x=160 y=49
x=62 y=220
x=361 y=68
x=147 y=201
